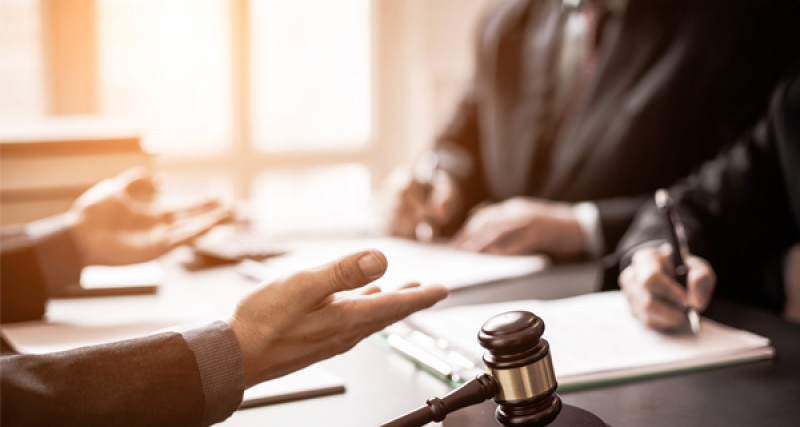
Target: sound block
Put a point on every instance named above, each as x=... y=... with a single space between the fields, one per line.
x=483 y=416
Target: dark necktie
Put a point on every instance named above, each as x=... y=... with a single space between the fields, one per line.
x=593 y=14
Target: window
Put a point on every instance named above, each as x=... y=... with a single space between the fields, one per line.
x=310 y=74
x=263 y=94
x=21 y=68
x=166 y=65
x=247 y=95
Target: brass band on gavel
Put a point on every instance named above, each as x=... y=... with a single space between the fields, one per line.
x=525 y=382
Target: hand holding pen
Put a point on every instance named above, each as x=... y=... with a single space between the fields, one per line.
x=666 y=286
x=429 y=200
x=677 y=240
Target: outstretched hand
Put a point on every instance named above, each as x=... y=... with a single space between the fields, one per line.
x=116 y=221
x=291 y=323
x=435 y=203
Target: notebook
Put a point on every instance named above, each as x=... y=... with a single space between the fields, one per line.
x=593 y=339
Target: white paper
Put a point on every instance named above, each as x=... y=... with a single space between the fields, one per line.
x=80 y=322
x=102 y=276
x=409 y=262
x=594 y=337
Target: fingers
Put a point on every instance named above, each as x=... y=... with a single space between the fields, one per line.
x=370 y=290
x=655 y=298
x=653 y=311
x=365 y=314
x=701 y=283
x=434 y=203
x=192 y=210
x=138 y=184
x=393 y=306
x=350 y=272
x=407 y=212
x=185 y=230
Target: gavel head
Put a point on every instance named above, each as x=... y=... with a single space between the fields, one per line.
x=519 y=360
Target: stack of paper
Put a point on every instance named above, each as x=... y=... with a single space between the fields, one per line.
x=594 y=338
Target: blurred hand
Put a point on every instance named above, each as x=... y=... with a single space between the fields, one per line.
x=654 y=296
x=435 y=203
x=310 y=316
x=115 y=222
x=523 y=225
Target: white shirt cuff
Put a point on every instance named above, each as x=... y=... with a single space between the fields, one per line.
x=588 y=217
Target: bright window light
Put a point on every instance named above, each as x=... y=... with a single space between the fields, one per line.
x=165 y=64
x=289 y=201
x=310 y=74
x=21 y=69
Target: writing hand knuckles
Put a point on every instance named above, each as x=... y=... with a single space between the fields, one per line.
x=650 y=282
x=649 y=303
x=652 y=323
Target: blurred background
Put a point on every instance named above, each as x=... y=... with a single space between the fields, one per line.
x=302 y=108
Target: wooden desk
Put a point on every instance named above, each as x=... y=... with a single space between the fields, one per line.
x=382 y=385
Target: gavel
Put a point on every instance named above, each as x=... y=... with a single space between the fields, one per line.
x=520 y=377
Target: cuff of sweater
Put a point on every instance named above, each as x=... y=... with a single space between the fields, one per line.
x=219 y=360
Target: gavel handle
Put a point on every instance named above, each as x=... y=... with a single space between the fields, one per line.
x=472 y=392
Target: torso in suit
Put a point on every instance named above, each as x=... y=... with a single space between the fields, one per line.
x=741 y=211
x=673 y=81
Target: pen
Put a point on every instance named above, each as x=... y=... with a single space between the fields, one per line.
x=675 y=232
x=435 y=356
x=424 y=174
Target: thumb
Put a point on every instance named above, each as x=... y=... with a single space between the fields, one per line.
x=138 y=184
x=350 y=272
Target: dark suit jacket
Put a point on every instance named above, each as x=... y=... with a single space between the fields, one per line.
x=674 y=82
x=147 y=381
x=30 y=267
x=154 y=380
x=741 y=211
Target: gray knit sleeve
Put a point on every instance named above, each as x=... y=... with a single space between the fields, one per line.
x=219 y=360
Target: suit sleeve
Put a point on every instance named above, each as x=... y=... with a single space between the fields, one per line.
x=616 y=215
x=37 y=260
x=737 y=209
x=458 y=145
x=164 y=379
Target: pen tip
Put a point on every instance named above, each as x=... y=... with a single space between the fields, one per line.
x=694 y=321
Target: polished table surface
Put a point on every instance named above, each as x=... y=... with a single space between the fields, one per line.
x=382 y=385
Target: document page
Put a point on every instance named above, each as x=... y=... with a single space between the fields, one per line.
x=409 y=261
x=595 y=338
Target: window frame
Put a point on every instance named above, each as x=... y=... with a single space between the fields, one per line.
x=240 y=160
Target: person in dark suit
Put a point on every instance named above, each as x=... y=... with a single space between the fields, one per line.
x=578 y=110
x=741 y=214
x=192 y=378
